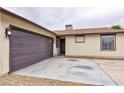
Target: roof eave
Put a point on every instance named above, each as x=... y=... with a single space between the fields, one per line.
x=88 y=33
x=11 y=13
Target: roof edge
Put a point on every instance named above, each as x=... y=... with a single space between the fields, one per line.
x=16 y=15
x=88 y=33
x=82 y=31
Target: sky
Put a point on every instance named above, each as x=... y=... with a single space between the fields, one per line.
x=55 y=18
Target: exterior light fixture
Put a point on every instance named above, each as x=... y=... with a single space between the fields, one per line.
x=8 y=33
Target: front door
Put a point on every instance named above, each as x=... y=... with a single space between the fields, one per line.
x=62 y=46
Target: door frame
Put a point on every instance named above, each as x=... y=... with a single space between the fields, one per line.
x=62 y=51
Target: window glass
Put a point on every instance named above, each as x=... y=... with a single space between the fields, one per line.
x=80 y=39
x=108 y=42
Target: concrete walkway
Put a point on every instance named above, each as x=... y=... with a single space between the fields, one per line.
x=68 y=69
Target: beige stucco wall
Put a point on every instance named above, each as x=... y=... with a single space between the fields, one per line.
x=0 y=48
x=91 y=47
x=58 y=51
x=6 y=20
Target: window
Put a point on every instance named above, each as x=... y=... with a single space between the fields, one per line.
x=79 y=39
x=108 y=42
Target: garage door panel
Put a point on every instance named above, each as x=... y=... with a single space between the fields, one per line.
x=30 y=45
x=19 y=52
x=27 y=48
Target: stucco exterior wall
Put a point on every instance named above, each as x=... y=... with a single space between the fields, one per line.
x=58 y=51
x=6 y=20
x=0 y=48
x=91 y=47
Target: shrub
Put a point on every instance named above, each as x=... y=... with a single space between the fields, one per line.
x=116 y=27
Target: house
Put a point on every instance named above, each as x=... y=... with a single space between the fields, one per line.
x=23 y=42
x=92 y=42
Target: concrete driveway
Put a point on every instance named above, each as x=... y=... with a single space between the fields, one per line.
x=68 y=69
x=114 y=68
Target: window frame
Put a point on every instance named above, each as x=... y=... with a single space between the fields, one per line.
x=114 y=34
x=79 y=41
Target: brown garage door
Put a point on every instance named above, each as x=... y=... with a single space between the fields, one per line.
x=27 y=48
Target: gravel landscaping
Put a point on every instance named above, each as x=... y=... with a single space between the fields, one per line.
x=17 y=80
